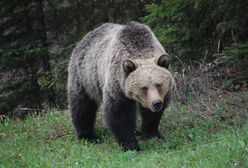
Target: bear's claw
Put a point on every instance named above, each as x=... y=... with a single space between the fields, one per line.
x=91 y=138
x=131 y=146
x=146 y=136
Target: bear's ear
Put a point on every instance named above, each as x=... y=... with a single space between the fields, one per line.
x=163 y=61
x=129 y=66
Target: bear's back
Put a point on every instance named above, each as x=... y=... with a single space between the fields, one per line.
x=88 y=58
x=95 y=39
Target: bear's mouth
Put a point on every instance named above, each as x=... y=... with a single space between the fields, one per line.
x=155 y=109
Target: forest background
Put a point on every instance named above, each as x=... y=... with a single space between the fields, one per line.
x=207 y=42
x=206 y=124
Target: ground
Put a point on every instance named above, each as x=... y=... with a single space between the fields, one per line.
x=216 y=136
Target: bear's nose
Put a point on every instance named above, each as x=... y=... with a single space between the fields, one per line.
x=157 y=104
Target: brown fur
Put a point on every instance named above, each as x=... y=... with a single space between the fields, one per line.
x=111 y=65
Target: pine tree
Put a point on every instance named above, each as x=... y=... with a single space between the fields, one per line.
x=22 y=48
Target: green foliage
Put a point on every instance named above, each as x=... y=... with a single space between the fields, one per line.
x=234 y=60
x=194 y=29
x=56 y=79
x=20 y=65
x=235 y=55
x=15 y=57
x=20 y=58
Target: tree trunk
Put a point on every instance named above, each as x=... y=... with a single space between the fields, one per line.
x=31 y=67
x=49 y=92
x=78 y=6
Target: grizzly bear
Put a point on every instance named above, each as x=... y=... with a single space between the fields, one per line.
x=123 y=67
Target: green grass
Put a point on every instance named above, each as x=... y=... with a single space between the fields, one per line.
x=48 y=141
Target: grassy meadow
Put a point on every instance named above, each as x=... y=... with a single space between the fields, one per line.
x=193 y=139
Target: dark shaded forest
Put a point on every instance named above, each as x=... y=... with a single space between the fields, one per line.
x=205 y=39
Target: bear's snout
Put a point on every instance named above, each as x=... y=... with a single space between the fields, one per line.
x=157 y=105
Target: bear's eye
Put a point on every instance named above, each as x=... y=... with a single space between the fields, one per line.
x=144 y=88
x=158 y=85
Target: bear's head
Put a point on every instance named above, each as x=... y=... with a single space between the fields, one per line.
x=148 y=81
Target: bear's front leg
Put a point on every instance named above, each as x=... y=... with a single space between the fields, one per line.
x=121 y=119
x=151 y=120
x=150 y=123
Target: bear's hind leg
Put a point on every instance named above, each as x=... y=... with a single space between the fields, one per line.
x=83 y=113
